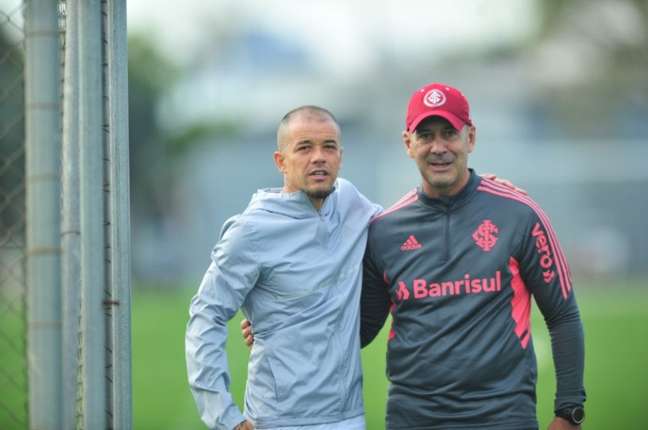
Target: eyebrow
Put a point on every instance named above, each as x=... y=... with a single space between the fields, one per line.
x=428 y=129
x=310 y=142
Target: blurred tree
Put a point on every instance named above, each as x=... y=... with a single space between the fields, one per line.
x=552 y=12
x=156 y=150
x=596 y=55
x=150 y=75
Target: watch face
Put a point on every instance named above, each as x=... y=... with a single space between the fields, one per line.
x=577 y=415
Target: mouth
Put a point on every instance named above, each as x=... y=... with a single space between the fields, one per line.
x=439 y=165
x=319 y=174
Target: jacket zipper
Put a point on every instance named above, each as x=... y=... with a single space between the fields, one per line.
x=446 y=250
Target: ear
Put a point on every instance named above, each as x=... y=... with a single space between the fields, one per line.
x=279 y=160
x=472 y=137
x=408 y=140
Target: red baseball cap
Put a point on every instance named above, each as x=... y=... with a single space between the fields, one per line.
x=438 y=99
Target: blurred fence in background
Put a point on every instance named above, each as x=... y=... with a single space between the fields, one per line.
x=13 y=366
x=64 y=216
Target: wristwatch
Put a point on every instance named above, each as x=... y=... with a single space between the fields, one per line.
x=573 y=414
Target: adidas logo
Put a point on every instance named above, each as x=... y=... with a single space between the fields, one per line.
x=410 y=244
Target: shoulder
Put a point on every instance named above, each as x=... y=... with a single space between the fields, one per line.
x=392 y=212
x=514 y=202
x=349 y=195
x=239 y=228
x=236 y=240
x=346 y=188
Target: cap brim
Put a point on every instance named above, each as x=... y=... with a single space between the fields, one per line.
x=452 y=118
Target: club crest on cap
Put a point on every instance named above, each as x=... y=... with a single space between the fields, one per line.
x=434 y=98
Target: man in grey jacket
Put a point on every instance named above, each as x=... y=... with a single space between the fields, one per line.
x=291 y=262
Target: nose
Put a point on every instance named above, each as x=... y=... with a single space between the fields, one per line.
x=438 y=146
x=318 y=155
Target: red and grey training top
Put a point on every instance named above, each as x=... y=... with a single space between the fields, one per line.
x=457 y=275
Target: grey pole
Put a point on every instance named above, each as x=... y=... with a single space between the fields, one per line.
x=92 y=214
x=70 y=222
x=43 y=219
x=119 y=212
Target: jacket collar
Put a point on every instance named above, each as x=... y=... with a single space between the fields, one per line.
x=295 y=204
x=457 y=200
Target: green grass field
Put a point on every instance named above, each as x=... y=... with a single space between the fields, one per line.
x=616 y=324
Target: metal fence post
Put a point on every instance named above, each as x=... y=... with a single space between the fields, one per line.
x=92 y=214
x=43 y=214
x=70 y=222
x=118 y=215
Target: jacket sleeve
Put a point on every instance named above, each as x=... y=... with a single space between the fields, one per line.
x=546 y=273
x=374 y=300
x=231 y=275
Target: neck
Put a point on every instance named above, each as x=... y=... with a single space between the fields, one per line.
x=317 y=203
x=435 y=192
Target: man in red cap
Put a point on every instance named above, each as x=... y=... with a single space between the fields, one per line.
x=456 y=261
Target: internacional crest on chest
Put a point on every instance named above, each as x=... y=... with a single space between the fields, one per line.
x=486 y=235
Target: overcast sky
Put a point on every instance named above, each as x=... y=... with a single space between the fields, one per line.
x=343 y=35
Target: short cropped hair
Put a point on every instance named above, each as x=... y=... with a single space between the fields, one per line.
x=325 y=114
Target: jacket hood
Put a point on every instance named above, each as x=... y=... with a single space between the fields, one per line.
x=295 y=205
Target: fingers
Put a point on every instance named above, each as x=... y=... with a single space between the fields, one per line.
x=521 y=190
x=248 y=337
x=513 y=186
x=246 y=332
x=245 y=425
x=505 y=182
x=249 y=340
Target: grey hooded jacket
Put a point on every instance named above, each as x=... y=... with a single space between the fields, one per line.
x=295 y=273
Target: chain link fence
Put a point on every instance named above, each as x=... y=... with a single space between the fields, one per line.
x=13 y=365
x=64 y=216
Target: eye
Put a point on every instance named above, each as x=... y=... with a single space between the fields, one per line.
x=449 y=133
x=425 y=135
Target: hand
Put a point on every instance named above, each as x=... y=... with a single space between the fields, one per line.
x=562 y=424
x=246 y=332
x=245 y=425
x=505 y=182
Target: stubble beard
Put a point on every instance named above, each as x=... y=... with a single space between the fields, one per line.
x=319 y=194
x=439 y=180
x=439 y=183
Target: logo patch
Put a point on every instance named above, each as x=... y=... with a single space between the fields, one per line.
x=486 y=235
x=434 y=98
x=410 y=244
x=402 y=293
x=421 y=288
x=544 y=253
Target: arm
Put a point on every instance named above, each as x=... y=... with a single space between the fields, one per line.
x=546 y=273
x=230 y=277
x=374 y=308
x=562 y=424
x=374 y=300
